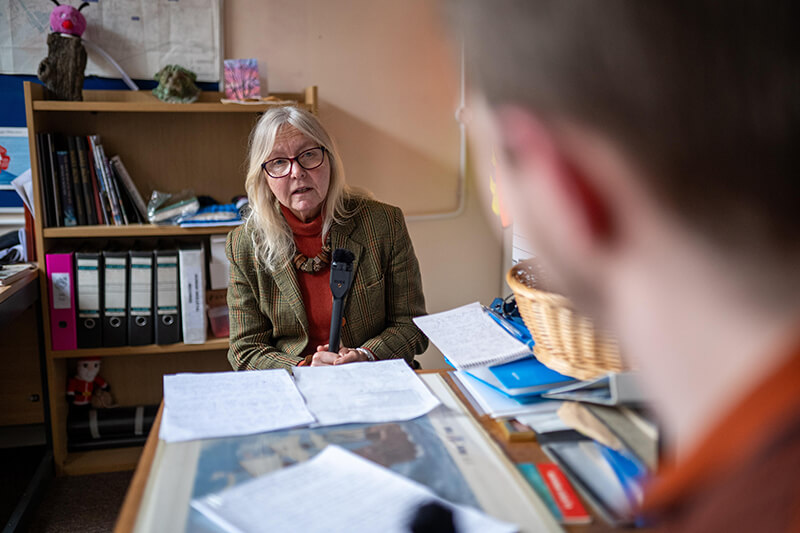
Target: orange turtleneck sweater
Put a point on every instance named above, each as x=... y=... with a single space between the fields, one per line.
x=315 y=288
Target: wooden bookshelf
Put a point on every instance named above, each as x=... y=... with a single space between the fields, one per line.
x=132 y=230
x=166 y=147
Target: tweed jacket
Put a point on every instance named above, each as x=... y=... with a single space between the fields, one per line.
x=268 y=323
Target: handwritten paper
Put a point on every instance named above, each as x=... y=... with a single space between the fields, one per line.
x=382 y=391
x=468 y=337
x=334 y=491
x=222 y=404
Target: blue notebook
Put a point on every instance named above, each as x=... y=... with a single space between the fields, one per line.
x=528 y=372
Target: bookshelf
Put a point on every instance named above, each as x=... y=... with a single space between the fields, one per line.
x=166 y=147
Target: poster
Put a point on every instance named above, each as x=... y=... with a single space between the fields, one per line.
x=14 y=160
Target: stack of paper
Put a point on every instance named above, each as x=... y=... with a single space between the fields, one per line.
x=203 y=406
x=221 y=404
x=335 y=491
x=468 y=338
x=364 y=392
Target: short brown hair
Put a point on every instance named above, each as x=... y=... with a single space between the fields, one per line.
x=704 y=96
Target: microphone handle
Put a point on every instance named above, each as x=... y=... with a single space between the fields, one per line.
x=336 y=325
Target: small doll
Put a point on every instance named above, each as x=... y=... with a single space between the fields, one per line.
x=83 y=389
x=62 y=70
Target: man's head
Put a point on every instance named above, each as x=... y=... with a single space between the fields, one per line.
x=648 y=148
x=698 y=101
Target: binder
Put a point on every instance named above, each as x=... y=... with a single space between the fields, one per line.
x=115 y=297
x=87 y=272
x=140 y=298
x=60 y=284
x=192 y=261
x=168 y=328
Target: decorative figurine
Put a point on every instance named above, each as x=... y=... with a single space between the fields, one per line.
x=83 y=388
x=176 y=85
x=62 y=70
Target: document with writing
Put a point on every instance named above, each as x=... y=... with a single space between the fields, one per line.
x=381 y=391
x=222 y=404
x=347 y=493
x=469 y=338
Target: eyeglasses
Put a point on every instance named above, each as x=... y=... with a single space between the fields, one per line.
x=280 y=167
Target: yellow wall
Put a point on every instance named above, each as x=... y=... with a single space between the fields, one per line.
x=388 y=92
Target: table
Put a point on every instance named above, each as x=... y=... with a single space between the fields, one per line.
x=518 y=452
x=14 y=300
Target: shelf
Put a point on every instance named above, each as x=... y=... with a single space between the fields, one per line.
x=157 y=106
x=97 y=461
x=148 y=349
x=131 y=230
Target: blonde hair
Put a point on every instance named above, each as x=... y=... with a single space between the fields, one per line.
x=272 y=238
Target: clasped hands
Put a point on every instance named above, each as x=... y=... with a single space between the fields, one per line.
x=323 y=357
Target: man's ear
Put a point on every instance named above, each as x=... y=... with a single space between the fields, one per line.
x=530 y=143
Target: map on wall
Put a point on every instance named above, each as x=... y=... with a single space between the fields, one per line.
x=141 y=35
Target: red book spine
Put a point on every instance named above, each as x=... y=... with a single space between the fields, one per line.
x=567 y=500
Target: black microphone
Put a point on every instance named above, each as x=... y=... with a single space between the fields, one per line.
x=341 y=280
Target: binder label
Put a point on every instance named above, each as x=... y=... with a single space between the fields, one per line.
x=61 y=290
x=115 y=299
x=141 y=279
x=167 y=287
x=88 y=288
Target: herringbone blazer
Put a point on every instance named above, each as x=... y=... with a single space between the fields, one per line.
x=268 y=324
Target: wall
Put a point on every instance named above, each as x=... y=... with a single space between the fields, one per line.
x=388 y=91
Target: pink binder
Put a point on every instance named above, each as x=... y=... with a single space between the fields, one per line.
x=61 y=288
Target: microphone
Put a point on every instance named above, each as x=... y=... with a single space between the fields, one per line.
x=341 y=280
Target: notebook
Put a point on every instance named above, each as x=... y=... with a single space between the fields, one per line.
x=529 y=374
x=468 y=338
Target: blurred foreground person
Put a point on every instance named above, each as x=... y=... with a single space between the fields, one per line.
x=650 y=151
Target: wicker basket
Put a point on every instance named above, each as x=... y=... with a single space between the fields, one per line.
x=565 y=341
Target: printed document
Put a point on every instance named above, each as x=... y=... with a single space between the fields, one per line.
x=334 y=491
x=381 y=391
x=222 y=404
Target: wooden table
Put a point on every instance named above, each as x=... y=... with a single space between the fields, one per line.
x=15 y=299
x=518 y=452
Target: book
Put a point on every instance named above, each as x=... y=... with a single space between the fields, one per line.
x=528 y=374
x=52 y=174
x=65 y=182
x=469 y=338
x=98 y=180
x=86 y=182
x=77 y=186
x=44 y=180
x=101 y=164
x=130 y=187
x=611 y=389
x=11 y=273
x=96 y=200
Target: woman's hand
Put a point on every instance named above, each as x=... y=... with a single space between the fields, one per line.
x=323 y=357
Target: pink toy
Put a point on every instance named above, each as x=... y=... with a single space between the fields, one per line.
x=68 y=20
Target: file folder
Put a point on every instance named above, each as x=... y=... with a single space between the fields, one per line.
x=168 y=327
x=115 y=298
x=60 y=284
x=87 y=272
x=192 y=261
x=140 y=298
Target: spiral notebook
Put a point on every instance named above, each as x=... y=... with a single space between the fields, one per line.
x=469 y=338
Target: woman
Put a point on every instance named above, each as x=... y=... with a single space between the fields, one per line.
x=279 y=296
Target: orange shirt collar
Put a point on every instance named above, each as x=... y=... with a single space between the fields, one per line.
x=739 y=435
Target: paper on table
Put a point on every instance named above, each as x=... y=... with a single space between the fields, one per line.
x=222 y=404
x=381 y=391
x=353 y=495
x=468 y=337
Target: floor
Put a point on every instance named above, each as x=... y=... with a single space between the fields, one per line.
x=88 y=504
